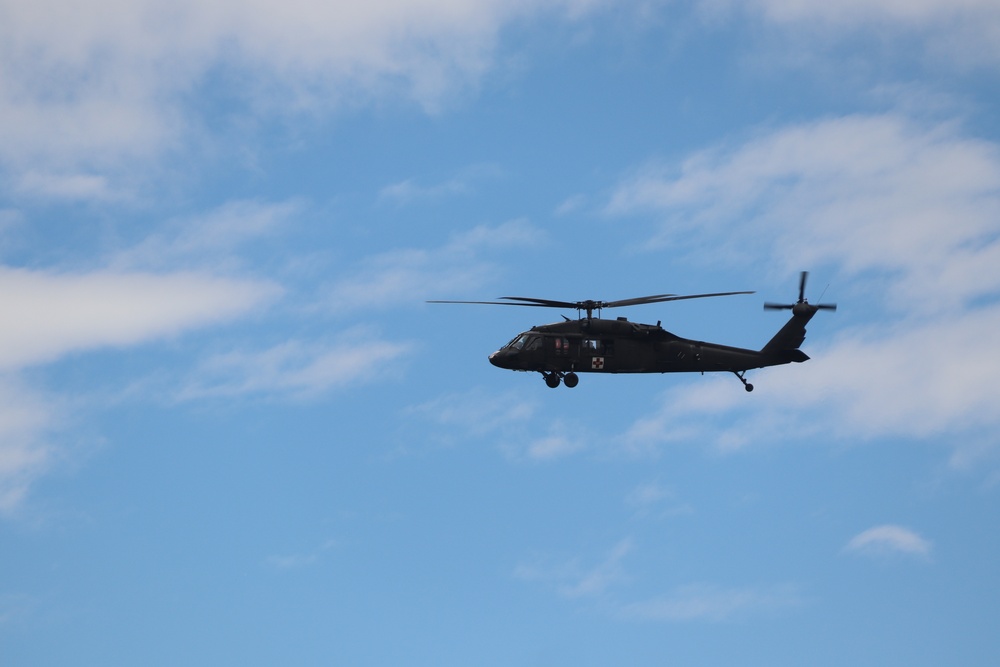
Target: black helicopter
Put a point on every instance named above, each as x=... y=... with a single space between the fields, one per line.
x=593 y=345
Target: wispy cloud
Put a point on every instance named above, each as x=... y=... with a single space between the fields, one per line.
x=295 y=369
x=605 y=580
x=882 y=193
x=888 y=539
x=52 y=314
x=411 y=275
x=507 y=419
x=572 y=579
x=653 y=499
x=962 y=33
x=701 y=602
x=909 y=214
x=26 y=421
x=73 y=186
x=93 y=84
x=476 y=412
x=295 y=561
x=209 y=238
x=410 y=191
x=536 y=444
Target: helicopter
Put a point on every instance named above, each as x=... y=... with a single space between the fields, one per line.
x=562 y=350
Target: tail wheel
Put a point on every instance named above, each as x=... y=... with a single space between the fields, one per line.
x=740 y=376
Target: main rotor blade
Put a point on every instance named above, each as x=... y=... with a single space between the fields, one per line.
x=639 y=300
x=665 y=297
x=504 y=303
x=550 y=303
x=590 y=305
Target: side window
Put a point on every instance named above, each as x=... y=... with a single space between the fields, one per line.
x=600 y=347
x=561 y=346
x=534 y=343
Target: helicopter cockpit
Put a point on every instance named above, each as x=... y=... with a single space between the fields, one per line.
x=511 y=355
x=525 y=341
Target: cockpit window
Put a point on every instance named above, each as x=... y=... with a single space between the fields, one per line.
x=518 y=342
x=525 y=341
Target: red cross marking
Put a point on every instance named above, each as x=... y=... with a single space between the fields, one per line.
x=597 y=363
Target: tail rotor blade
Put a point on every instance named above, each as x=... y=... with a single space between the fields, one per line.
x=802 y=305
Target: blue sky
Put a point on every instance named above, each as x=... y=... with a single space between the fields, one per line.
x=232 y=432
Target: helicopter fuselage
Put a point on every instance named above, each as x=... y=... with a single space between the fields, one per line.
x=619 y=346
x=590 y=344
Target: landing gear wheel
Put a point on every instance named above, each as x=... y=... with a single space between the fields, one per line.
x=739 y=376
x=551 y=379
x=571 y=379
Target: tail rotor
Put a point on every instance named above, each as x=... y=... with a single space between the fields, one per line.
x=802 y=305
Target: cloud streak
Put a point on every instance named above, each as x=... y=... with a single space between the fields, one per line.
x=410 y=275
x=955 y=32
x=53 y=314
x=888 y=539
x=573 y=580
x=26 y=419
x=701 y=602
x=295 y=369
x=85 y=84
x=911 y=212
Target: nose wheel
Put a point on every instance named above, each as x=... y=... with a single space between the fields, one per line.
x=746 y=385
x=553 y=378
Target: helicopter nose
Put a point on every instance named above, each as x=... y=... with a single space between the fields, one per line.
x=498 y=358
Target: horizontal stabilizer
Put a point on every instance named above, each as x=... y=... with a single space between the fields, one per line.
x=789 y=356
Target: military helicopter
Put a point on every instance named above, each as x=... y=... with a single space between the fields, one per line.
x=591 y=344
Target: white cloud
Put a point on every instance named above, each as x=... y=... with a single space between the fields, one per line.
x=655 y=500
x=92 y=83
x=553 y=446
x=888 y=539
x=910 y=216
x=961 y=31
x=573 y=580
x=296 y=369
x=699 y=602
x=508 y=419
x=208 y=238
x=865 y=384
x=25 y=421
x=559 y=442
x=300 y=560
x=407 y=191
x=68 y=186
x=53 y=314
x=853 y=12
x=50 y=315
x=413 y=275
x=476 y=412
x=870 y=192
